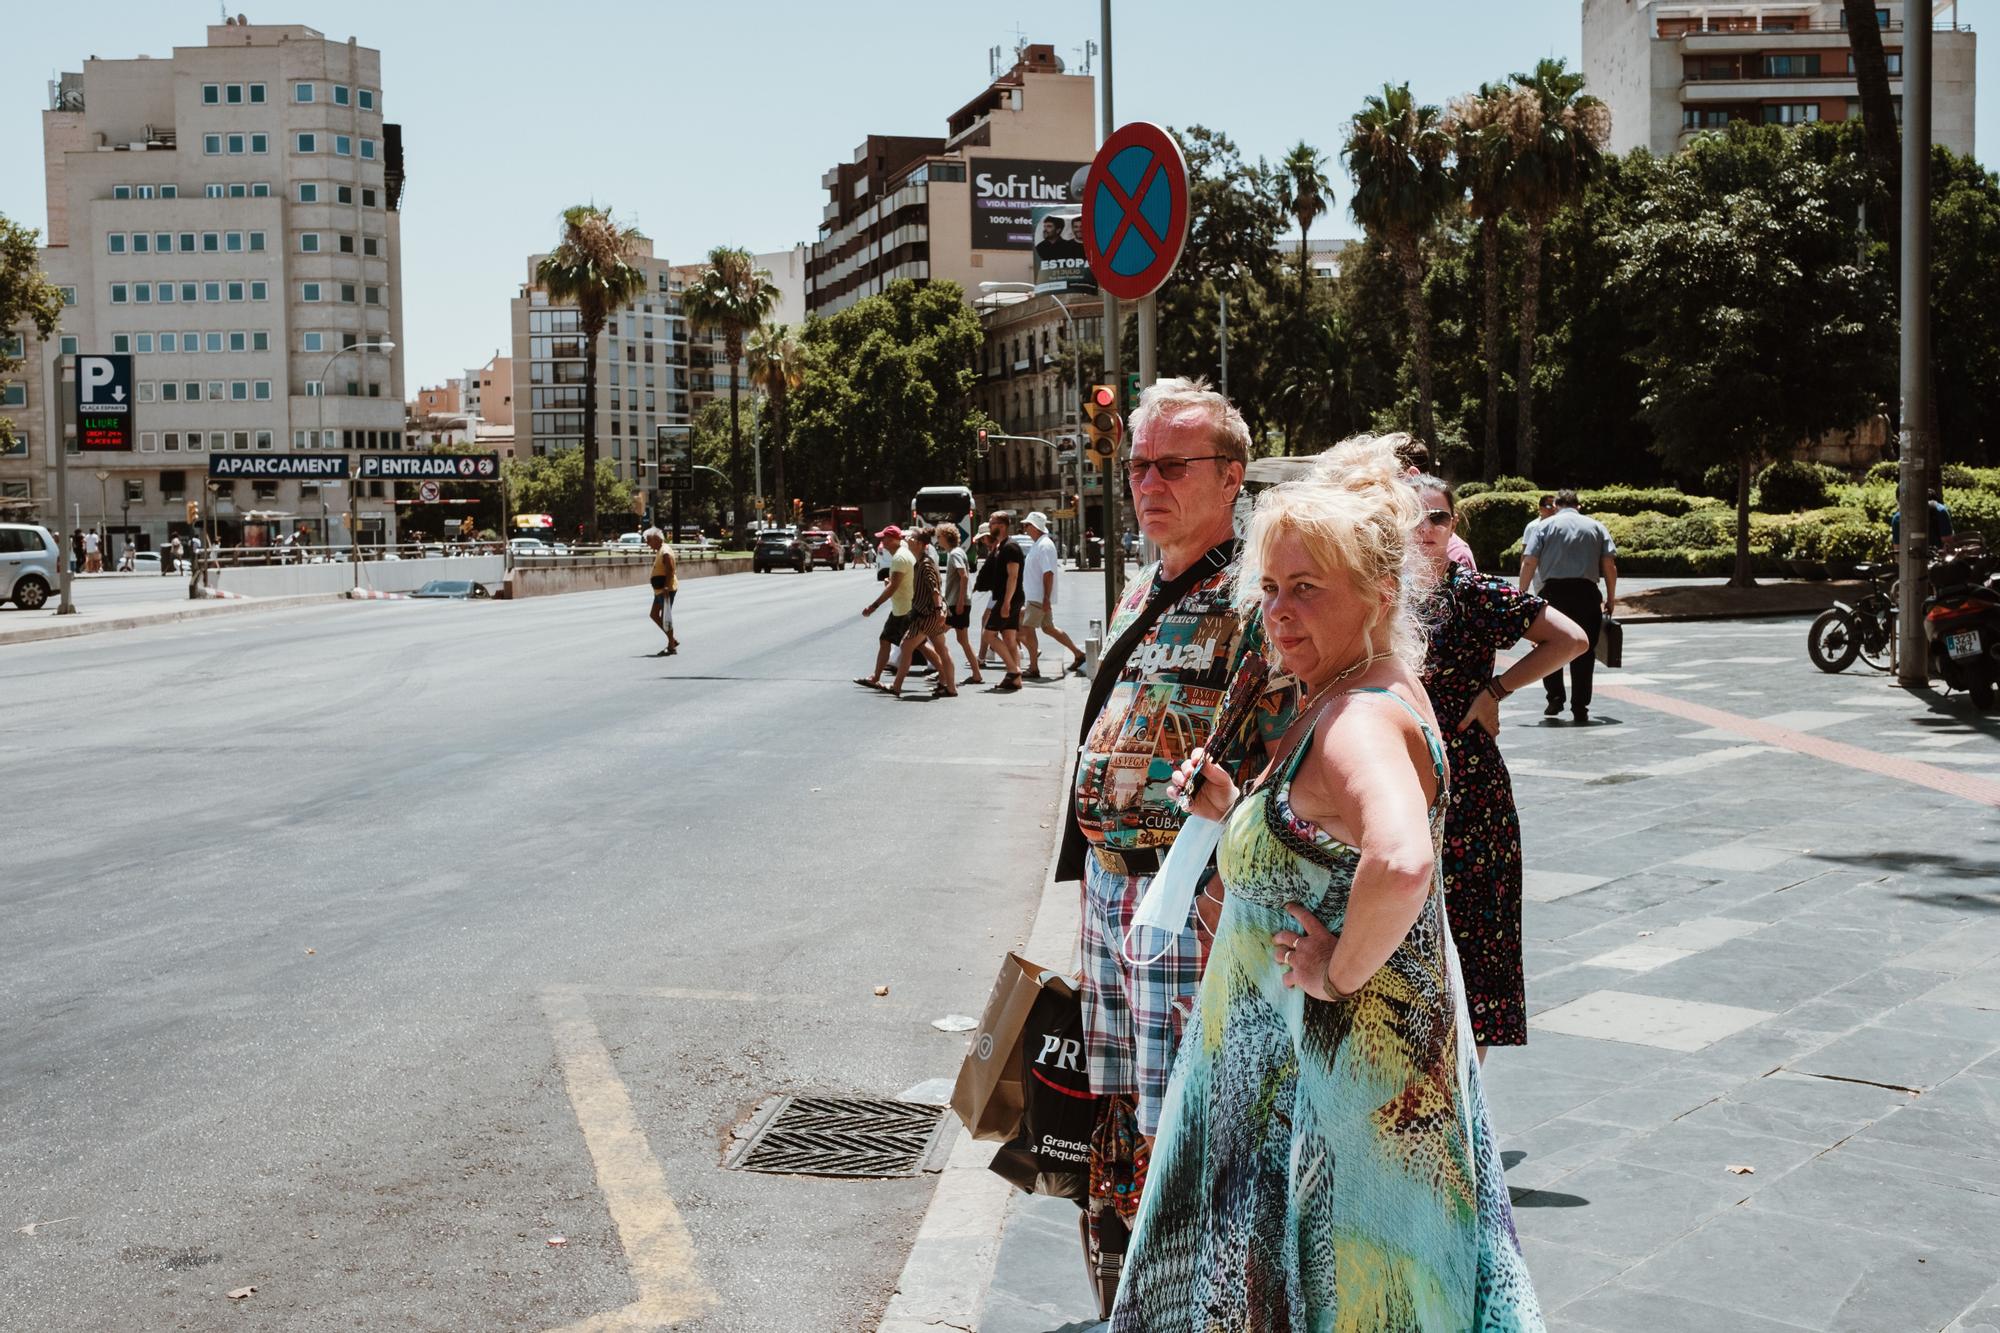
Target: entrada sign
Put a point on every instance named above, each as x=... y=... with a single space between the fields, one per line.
x=104 y=403
x=265 y=467
x=430 y=467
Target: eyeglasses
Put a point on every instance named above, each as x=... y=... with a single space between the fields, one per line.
x=1170 y=469
x=1438 y=518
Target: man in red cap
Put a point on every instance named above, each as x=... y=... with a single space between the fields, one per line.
x=898 y=592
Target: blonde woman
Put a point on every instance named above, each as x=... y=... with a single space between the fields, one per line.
x=1324 y=1159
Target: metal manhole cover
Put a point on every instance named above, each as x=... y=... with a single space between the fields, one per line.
x=839 y=1136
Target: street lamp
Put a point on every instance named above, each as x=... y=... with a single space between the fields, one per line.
x=319 y=441
x=1076 y=394
x=103 y=517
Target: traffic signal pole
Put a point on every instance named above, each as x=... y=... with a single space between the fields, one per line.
x=1114 y=549
x=1913 y=500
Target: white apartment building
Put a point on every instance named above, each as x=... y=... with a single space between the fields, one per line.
x=1669 y=69
x=229 y=217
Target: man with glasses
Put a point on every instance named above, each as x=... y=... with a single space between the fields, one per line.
x=1152 y=705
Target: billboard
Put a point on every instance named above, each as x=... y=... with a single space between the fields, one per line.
x=1005 y=193
x=1059 y=255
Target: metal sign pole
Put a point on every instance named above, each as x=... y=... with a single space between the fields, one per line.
x=1114 y=549
x=60 y=447
x=1912 y=665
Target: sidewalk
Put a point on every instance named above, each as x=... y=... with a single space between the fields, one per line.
x=1763 y=931
x=18 y=626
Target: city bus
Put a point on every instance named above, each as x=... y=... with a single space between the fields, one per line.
x=939 y=504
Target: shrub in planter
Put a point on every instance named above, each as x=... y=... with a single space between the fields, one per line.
x=1492 y=522
x=1788 y=486
x=1515 y=484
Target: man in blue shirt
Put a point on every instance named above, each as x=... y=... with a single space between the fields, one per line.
x=1568 y=552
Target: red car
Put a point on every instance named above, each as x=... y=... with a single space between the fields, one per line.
x=823 y=549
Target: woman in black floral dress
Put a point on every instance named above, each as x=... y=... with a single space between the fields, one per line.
x=1472 y=617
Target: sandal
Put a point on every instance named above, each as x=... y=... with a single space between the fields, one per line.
x=942 y=693
x=868 y=683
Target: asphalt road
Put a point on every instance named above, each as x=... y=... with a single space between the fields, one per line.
x=326 y=931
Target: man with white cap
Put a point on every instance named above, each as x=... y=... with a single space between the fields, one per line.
x=1040 y=579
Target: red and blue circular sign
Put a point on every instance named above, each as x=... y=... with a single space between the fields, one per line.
x=1135 y=210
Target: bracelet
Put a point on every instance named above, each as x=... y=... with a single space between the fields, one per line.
x=1334 y=991
x=1496 y=689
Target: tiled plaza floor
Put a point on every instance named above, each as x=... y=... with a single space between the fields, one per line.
x=1752 y=944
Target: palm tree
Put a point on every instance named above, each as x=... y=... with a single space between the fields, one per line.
x=1487 y=128
x=776 y=368
x=734 y=295
x=1308 y=196
x=591 y=268
x=1564 y=148
x=1396 y=151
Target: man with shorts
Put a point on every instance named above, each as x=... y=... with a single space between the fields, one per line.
x=1040 y=611
x=899 y=591
x=958 y=597
x=1003 y=618
x=666 y=582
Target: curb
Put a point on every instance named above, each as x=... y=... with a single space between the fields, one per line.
x=957 y=1249
x=370 y=595
x=1695 y=617
x=65 y=629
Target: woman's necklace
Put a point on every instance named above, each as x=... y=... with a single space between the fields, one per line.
x=1360 y=665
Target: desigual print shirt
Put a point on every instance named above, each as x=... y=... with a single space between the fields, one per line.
x=1164 y=706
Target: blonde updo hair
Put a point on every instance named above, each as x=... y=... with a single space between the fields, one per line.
x=1354 y=513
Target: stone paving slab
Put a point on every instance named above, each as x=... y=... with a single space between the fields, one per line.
x=1771 y=959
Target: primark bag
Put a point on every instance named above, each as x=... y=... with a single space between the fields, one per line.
x=989 y=1095
x=1051 y=1154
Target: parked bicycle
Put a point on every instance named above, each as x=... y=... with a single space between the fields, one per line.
x=1866 y=629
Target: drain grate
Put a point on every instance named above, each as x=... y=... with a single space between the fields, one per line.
x=839 y=1136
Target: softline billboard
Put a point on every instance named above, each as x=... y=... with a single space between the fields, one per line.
x=1005 y=193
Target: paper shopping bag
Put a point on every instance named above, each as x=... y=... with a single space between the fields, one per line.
x=989 y=1094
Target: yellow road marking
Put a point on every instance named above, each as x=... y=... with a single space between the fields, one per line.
x=658 y=1250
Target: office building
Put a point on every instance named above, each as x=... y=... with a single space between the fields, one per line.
x=1669 y=70
x=229 y=217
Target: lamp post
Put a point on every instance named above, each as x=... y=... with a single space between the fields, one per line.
x=319 y=442
x=1076 y=393
x=103 y=517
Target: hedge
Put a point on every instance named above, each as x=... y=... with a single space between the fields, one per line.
x=1492 y=522
x=1636 y=500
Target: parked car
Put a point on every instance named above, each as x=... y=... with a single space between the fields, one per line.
x=146 y=562
x=779 y=548
x=528 y=546
x=632 y=541
x=457 y=589
x=28 y=556
x=823 y=548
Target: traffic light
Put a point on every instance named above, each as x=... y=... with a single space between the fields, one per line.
x=982 y=443
x=194 y=511
x=1131 y=391
x=1101 y=426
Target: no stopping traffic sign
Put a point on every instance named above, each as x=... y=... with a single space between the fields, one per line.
x=1135 y=210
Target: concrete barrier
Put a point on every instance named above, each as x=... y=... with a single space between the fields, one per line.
x=543 y=576
x=380 y=575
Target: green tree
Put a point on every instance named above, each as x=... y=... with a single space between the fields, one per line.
x=591 y=268
x=1761 y=324
x=733 y=295
x=774 y=368
x=1487 y=127
x=1396 y=151
x=552 y=484
x=1555 y=157
x=1965 y=312
x=26 y=297
x=1307 y=197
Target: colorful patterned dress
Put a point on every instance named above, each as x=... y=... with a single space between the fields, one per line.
x=1475 y=618
x=1323 y=1167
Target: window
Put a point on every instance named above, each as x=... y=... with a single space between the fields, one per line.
x=371 y=295
x=121 y=342
x=260 y=143
x=340 y=92
x=305 y=143
x=233 y=242
x=256 y=241
x=343 y=194
x=368 y=198
x=190 y=342
x=368 y=150
x=233 y=94
x=13 y=395
x=125 y=191
x=163 y=242
x=347 y=293
x=213 y=341
x=166 y=293
x=309 y=242
x=369 y=246
x=115 y=240
x=145 y=391
x=69 y=293
x=365 y=98
x=169 y=342
x=239 y=341
x=119 y=293
x=169 y=391
x=343 y=146
x=1790 y=113
x=170 y=192
x=256 y=94
x=241 y=439
x=186 y=245
x=211 y=144
x=145 y=192
x=260 y=341
x=236 y=144
x=1781 y=67
x=211 y=242
x=314 y=388
x=188 y=292
x=313 y=342
x=263 y=391
x=236 y=291
x=302 y=92
x=239 y=391
x=141 y=242
x=142 y=293
x=215 y=191
x=216 y=389
x=142 y=342
x=211 y=94
x=211 y=291
x=1894 y=59
x=191 y=391
x=309 y=291
x=18 y=449
x=259 y=291
x=67 y=345
x=264 y=436
x=148 y=443
x=346 y=244
x=260 y=190
x=308 y=192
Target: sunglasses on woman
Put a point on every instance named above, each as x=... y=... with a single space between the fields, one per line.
x=1438 y=518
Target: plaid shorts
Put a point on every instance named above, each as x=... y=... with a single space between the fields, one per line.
x=1133 y=1013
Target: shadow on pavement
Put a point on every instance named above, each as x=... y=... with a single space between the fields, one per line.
x=1945 y=863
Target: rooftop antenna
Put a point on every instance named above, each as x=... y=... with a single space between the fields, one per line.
x=992 y=62
x=1088 y=52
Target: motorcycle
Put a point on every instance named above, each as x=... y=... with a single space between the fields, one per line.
x=1962 y=622
x=1867 y=629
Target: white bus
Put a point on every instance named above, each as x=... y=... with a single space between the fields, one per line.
x=940 y=504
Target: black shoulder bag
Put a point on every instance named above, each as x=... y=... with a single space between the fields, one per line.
x=1069 y=863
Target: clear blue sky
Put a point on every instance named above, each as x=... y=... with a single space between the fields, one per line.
x=716 y=120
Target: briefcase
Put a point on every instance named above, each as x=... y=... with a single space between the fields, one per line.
x=1611 y=643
